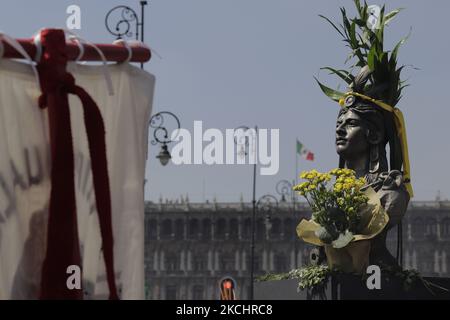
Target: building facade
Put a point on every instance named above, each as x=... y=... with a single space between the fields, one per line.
x=190 y=247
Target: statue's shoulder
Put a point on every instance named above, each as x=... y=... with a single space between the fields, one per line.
x=391 y=189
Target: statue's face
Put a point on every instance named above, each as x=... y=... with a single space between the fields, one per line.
x=351 y=135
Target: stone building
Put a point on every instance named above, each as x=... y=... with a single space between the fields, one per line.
x=191 y=246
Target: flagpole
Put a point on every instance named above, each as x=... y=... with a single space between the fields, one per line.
x=296 y=162
x=294 y=202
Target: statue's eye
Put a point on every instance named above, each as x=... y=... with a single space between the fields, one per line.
x=353 y=123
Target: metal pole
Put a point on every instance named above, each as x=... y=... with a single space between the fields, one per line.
x=295 y=182
x=143 y=3
x=295 y=234
x=252 y=258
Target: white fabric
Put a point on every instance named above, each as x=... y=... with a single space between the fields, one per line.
x=25 y=178
x=105 y=70
x=127 y=46
x=18 y=47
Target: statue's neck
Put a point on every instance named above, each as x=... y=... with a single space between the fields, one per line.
x=359 y=164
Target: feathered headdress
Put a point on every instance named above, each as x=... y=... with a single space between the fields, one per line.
x=378 y=82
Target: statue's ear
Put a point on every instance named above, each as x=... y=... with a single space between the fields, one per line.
x=374 y=137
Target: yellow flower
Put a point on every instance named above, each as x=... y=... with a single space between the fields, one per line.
x=346 y=172
x=334 y=172
x=340 y=180
x=323 y=177
x=304 y=185
x=311 y=174
x=312 y=187
x=303 y=174
x=346 y=186
x=338 y=187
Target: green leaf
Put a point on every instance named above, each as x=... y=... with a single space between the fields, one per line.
x=358 y=5
x=363 y=41
x=379 y=33
x=334 y=26
x=353 y=35
x=343 y=74
x=399 y=44
x=345 y=22
x=331 y=93
x=371 y=58
x=391 y=15
x=364 y=14
x=359 y=22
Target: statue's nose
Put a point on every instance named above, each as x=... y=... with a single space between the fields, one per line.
x=340 y=130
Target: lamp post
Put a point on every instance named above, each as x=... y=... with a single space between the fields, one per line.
x=285 y=188
x=243 y=141
x=265 y=205
x=161 y=134
x=119 y=21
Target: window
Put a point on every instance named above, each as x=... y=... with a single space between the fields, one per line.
x=234 y=229
x=257 y=266
x=193 y=229
x=148 y=266
x=197 y=292
x=206 y=229
x=430 y=227
x=179 y=229
x=288 y=230
x=171 y=292
x=258 y=263
x=275 y=230
x=166 y=230
x=199 y=263
x=281 y=263
x=445 y=225
x=171 y=262
x=418 y=228
x=150 y=229
x=247 y=232
x=260 y=229
x=227 y=262
x=220 y=228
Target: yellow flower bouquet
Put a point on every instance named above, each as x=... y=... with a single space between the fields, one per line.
x=346 y=214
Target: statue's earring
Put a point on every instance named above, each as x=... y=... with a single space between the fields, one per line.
x=374 y=163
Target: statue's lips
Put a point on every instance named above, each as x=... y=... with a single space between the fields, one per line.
x=340 y=141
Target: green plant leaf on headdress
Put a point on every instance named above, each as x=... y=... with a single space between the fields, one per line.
x=366 y=42
x=332 y=24
x=331 y=93
x=399 y=44
x=343 y=74
x=391 y=15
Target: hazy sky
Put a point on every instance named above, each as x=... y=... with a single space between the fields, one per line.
x=246 y=62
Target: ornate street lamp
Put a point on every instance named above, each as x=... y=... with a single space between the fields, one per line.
x=266 y=205
x=120 y=20
x=284 y=188
x=161 y=134
x=243 y=141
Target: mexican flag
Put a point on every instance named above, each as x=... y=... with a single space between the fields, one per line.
x=303 y=152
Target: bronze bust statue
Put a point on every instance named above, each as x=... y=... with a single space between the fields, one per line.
x=369 y=120
x=363 y=131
